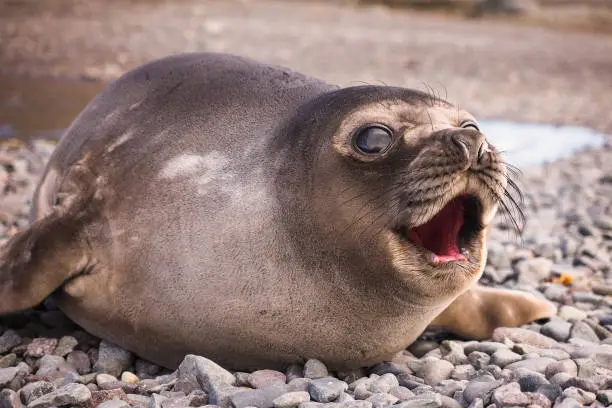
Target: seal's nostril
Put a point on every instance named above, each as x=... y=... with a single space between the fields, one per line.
x=461 y=144
x=482 y=150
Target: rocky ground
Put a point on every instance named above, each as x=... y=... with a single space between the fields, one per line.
x=564 y=254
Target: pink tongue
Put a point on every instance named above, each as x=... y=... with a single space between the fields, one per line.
x=439 y=235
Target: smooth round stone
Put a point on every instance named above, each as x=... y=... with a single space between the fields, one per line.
x=314 y=369
x=479 y=387
x=479 y=359
x=8 y=340
x=402 y=393
x=562 y=366
x=105 y=378
x=568 y=403
x=435 y=371
x=326 y=389
x=571 y=313
x=384 y=383
x=551 y=391
x=530 y=383
x=79 y=361
x=560 y=378
x=520 y=335
x=291 y=399
x=112 y=359
x=582 y=383
x=556 y=292
x=583 y=397
x=510 y=395
x=262 y=378
x=129 y=377
x=488 y=347
x=463 y=372
x=449 y=387
x=557 y=329
x=502 y=358
x=65 y=345
x=452 y=352
x=35 y=390
x=581 y=330
x=535 y=364
x=381 y=400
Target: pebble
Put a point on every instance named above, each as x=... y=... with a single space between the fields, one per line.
x=452 y=351
x=568 y=403
x=35 y=390
x=509 y=395
x=557 y=329
x=479 y=359
x=571 y=313
x=562 y=366
x=70 y=394
x=326 y=389
x=520 y=335
x=583 y=397
x=550 y=391
x=9 y=399
x=538 y=364
x=291 y=399
x=112 y=359
x=8 y=360
x=384 y=383
x=261 y=378
x=381 y=400
x=205 y=372
x=556 y=292
x=7 y=375
x=402 y=393
x=605 y=397
x=8 y=340
x=65 y=345
x=463 y=372
x=502 y=358
x=41 y=347
x=532 y=271
x=582 y=383
x=583 y=331
x=314 y=369
x=434 y=371
x=129 y=377
x=479 y=387
x=117 y=404
x=79 y=361
x=531 y=382
x=488 y=347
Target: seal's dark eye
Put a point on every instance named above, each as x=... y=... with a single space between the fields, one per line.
x=373 y=140
x=470 y=124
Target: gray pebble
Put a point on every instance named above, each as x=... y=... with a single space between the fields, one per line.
x=35 y=390
x=586 y=297
x=65 y=345
x=71 y=394
x=355 y=404
x=532 y=271
x=402 y=393
x=550 y=391
x=449 y=387
x=384 y=383
x=587 y=367
x=381 y=400
x=534 y=364
x=568 y=403
x=326 y=389
x=7 y=375
x=315 y=369
x=463 y=372
x=452 y=351
x=344 y=397
x=581 y=330
x=79 y=361
x=582 y=383
x=488 y=347
x=426 y=400
x=434 y=371
x=520 y=335
x=556 y=292
x=509 y=395
x=559 y=378
x=41 y=346
x=112 y=359
x=557 y=329
x=206 y=373
x=531 y=382
x=116 y=404
x=298 y=384
x=561 y=366
x=291 y=399
x=262 y=378
x=9 y=399
x=361 y=392
x=8 y=360
x=583 y=397
x=422 y=389
x=502 y=358
x=479 y=387
x=8 y=340
x=479 y=359
x=156 y=401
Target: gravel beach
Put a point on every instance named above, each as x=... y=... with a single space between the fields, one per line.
x=493 y=69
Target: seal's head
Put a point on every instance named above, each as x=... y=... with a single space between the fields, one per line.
x=397 y=173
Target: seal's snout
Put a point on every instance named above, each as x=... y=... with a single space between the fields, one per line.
x=472 y=146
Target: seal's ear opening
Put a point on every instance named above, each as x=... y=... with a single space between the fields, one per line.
x=36 y=261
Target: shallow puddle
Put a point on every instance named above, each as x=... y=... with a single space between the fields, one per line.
x=42 y=107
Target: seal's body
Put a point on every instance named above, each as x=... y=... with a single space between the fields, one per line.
x=210 y=204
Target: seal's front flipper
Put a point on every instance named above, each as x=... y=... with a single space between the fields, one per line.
x=477 y=312
x=39 y=259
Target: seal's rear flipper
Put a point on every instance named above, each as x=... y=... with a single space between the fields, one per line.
x=39 y=259
x=54 y=248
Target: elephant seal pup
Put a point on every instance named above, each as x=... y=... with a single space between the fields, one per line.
x=209 y=204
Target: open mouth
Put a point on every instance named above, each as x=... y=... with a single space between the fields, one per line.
x=448 y=234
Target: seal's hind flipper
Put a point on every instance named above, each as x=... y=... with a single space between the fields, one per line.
x=480 y=310
x=54 y=248
x=38 y=260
